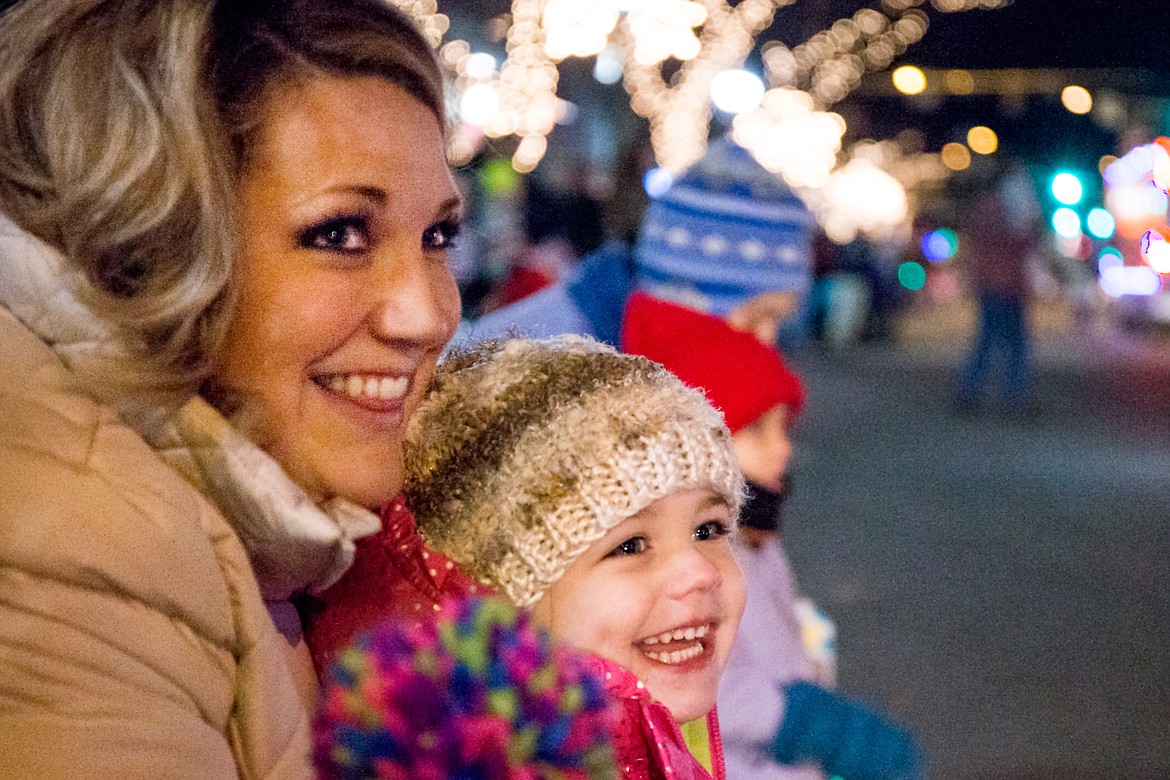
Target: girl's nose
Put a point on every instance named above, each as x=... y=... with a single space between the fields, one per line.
x=691 y=569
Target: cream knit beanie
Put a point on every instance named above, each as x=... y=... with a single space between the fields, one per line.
x=525 y=452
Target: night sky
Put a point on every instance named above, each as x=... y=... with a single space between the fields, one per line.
x=1052 y=34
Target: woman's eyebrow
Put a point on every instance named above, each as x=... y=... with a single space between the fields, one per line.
x=452 y=207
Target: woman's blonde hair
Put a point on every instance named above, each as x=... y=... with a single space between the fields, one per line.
x=124 y=126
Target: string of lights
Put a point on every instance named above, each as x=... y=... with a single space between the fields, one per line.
x=669 y=54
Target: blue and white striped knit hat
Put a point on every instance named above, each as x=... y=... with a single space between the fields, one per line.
x=726 y=231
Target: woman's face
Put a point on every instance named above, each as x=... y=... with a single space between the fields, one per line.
x=659 y=594
x=345 y=299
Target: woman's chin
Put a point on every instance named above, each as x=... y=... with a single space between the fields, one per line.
x=369 y=482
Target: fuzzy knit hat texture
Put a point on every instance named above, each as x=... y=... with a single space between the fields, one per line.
x=741 y=376
x=525 y=452
x=479 y=692
x=726 y=231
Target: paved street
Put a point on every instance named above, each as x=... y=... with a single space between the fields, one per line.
x=1001 y=585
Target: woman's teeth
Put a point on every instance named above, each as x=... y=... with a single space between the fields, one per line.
x=380 y=388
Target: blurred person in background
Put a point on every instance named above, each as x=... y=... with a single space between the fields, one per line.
x=223 y=289
x=996 y=248
x=728 y=237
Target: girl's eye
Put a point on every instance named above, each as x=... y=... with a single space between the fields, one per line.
x=441 y=235
x=345 y=235
x=635 y=545
x=712 y=529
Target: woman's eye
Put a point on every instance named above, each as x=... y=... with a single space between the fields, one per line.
x=441 y=235
x=712 y=529
x=346 y=235
x=635 y=545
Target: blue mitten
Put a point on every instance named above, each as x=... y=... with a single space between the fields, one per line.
x=843 y=737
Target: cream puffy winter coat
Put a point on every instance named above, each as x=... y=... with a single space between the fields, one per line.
x=134 y=638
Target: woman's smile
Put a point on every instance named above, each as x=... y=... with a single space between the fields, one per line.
x=373 y=391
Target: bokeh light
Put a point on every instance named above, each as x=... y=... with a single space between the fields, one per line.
x=499 y=179
x=860 y=197
x=478 y=104
x=1156 y=251
x=1100 y=223
x=1067 y=188
x=574 y=29
x=909 y=80
x=912 y=275
x=1066 y=223
x=939 y=245
x=607 y=69
x=479 y=65
x=663 y=29
x=788 y=136
x=959 y=82
x=1110 y=254
x=956 y=157
x=982 y=140
x=1160 y=171
x=1118 y=280
x=656 y=182
x=736 y=91
x=1076 y=99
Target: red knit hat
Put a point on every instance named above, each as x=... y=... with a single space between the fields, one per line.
x=742 y=376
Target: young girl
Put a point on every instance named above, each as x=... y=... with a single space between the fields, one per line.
x=598 y=491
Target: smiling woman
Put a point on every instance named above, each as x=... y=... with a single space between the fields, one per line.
x=343 y=286
x=223 y=290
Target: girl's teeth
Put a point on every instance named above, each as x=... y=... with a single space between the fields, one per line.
x=677 y=656
x=679 y=635
x=380 y=388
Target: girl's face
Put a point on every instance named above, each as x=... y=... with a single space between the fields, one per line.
x=764 y=448
x=659 y=594
x=345 y=299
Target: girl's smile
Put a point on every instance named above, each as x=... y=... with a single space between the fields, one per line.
x=661 y=595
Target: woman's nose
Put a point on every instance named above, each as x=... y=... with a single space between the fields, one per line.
x=416 y=299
